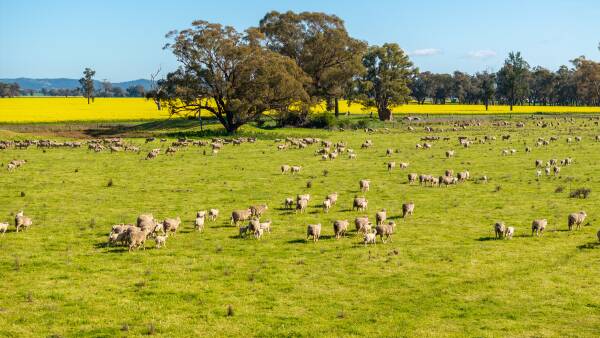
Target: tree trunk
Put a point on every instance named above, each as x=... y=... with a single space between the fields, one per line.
x=337 y=108
x=385 y=114
x=88 y=99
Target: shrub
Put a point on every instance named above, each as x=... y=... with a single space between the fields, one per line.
x=323 y=120
x=580 y=193
x=559 y=190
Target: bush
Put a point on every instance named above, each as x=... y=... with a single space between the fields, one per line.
x=323 y=120
x=580 y=193
x=559 y=190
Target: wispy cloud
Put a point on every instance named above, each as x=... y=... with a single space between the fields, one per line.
x=425 y=52
x=481 y=54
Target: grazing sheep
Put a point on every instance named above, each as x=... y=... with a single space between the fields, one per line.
x=160 y=241
x=266 y=226
x=389 y=152
x=576 y=218
x=352 y=156
x=499 y=229
x=360 y=203
x=340 y=227
x=22 y=221
x=404 y=165
x=304 y=197
x=146 y=223
x=408 y=209
x=258 y=232
x=556 y=171
x=364 y=185
x=385 y=230
x=301 y=204
x=370 y=238
x=449 y=153
x=296 y=169
x=238 y=216
x=538 y=226
x=538 y=173
x=213 y=214
x=509 y=232
x=326 y=205
x=288 y=203
x=362 y=224
x=285 y=169
x=171 y=225
x=3 y=228
x=463 y=176
x=380 y=217
x=391 y=166
x=313 y=230
x=538 y=163
x=332 y=197
x=547 y=170
x=199 y=223
x=136 y=238
x=258 y=210
x=412 y=178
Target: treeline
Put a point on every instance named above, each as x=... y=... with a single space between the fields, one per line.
x=106 y=90
x=515 y=83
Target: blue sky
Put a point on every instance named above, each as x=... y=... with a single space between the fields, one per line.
x=123 y=40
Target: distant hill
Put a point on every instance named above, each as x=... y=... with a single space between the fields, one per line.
x=63 y=83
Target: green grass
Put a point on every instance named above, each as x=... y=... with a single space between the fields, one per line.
x=442 y=275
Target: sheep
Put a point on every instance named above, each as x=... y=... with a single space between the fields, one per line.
x=556 y=171
x=304 y=196
x=391 y=166
x=313 y=230
x=404 y=165
x=389 y=152
x=136 y=237
x=301 y=205
x=360 y=203
x=326 y=205
x=538 y=226
x=463 y=176
x=449 y=172
x=333 y=156
x=412 y=178
x=505 y=152
x=352 y=156
x=266 y=226
x=499 y=229
x=238 y=216
x=385 y=230
x=509 y=232
x=3 y=228
x=160 y=241
x=538 y=163
x=576 y=218
x=22 y=221
x=288 y=203
x=340 y=227
x=408 y=209
x=171 y=225
x=370 y=238
x=449 y=153
x=380 y=217
x=538 y=173
x=598 y=234
x=333 y=198
x=285 y=169
x=364 y=185
x=258 y=232
x=153 y=154
x=199 y=223
x=213 y=214
x=547 y=170
x=258 y=210
x=362 y=224
x=296 y=169
x=578 y=138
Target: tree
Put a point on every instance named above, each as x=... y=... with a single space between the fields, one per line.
x=231 y=75
x=587 y=78
x=460 y=85
x=419 y=87
x=321 y=46
x=107 y=88
x=442 y=87
x=513 y=79
x=487 y=85
x=542 y=84
x=157 y=90
x=87 y=83
x=136 y=91
x=387 y=78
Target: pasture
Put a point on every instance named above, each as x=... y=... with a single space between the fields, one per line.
x=443 y=274
x=71 y=109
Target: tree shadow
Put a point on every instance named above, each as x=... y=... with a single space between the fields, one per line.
x=488 y=238
x=587 y=246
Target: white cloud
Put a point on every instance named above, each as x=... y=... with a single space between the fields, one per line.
x=425 y=52
x=481 y=54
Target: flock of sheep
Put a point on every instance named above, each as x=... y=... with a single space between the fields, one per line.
x=248 y=221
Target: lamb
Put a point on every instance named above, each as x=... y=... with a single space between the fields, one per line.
x=340 y=227
x=313 y=230
x=360 y=203
x=370 y=238
x=258 y=210
x=385 y=230
x=266 y=226
x=199 y=224
x=258 y=232
x=556 y=171
x=509 y=232
x=153 y=154
x=332 y=197
x=171 y=225
x=296 y=169
x=301 y=204
x=213 y=214
x=449 y=153
x=160 y=241
x=576 y=218
x=3 y=228
x=538 y=163
x=362 y=224
x=285 y=169
x=22 y=221
x=408 y=209
x=288 y=203
x=404 y=165
x=499 y=229
x=538 y=173
x=391 y=166
x=238 y=216
x=364 y=185
x=538 y=226
x=389 y=152
x=380 y=217
x=547 y=170
x=326 y=205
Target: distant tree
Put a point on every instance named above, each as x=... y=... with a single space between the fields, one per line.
x=117 y=92
x=418 y=87
x=542 y=85
x=87 y=83
x=442 y=87
x=461 y=82
x=321 y=46
x=107 y=88
x=386 y=80
x=587 y=78
x=487 y=86
x=565 y=86
x=512 y=79
x=136 y=91
x=230 y=75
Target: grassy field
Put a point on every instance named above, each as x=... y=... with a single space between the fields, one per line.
x=57 y=109
x=443 y=274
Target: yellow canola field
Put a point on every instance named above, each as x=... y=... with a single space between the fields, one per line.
x=58 y=109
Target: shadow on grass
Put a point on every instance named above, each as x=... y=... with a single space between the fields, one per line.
x=587 y=246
